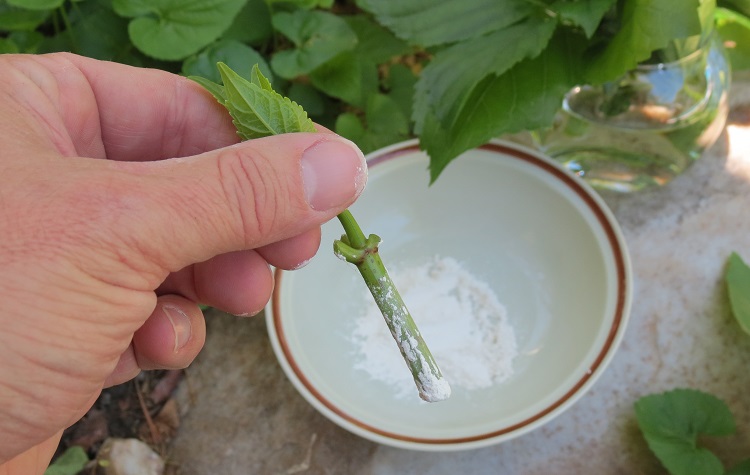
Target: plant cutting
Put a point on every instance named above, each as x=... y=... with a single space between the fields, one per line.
x=258 y=111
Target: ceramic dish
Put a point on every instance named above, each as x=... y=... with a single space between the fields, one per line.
x=540 y=237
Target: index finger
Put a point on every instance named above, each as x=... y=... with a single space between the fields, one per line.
x=149 y=114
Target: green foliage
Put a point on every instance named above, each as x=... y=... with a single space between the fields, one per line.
x=256 y=109
x=737 y=277
x=318 y=37
x=455 y=73
x=174 y=29
x=643 y=31
x=36 y=4
x=671 y=423
x=734 y=30
x=70 y=462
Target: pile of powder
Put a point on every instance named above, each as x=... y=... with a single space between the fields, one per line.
x=461 y=320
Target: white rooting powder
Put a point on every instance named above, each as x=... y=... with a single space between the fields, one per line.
x=461 y=320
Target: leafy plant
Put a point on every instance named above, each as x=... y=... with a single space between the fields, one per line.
x=259 y=111
x=454 y=73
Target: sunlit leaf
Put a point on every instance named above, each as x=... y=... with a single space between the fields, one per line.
x=643 y=30
x=734 y=30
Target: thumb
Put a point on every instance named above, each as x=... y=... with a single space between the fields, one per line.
x=243 y=196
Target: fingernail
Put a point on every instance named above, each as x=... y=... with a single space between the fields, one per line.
x=334 y=172
x=180 y=324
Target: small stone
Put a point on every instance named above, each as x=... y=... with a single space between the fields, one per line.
x=129 y=457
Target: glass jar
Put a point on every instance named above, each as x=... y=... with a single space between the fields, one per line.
x=648 y=126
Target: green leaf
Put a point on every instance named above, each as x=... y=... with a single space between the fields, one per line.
x=737 y=277
x=252 y=25
x=98 y=32
x=216 y=90
x=734 y=30
x=375 y=44
x=443 y=86
x=27 y=41
x=742 y=468
x=671 y=423
x=238 y=56
x=400 y=84
x=304 y=4
x=174 y=29
x=741 y=6
x=308 y=98
x=72 y=461
x=430 y=23
x=318 y=37
x=8 y=46
x=586 y=13
x=17 y=19
x=524 y=98
x=347 y=77
x=386 y=124
x=643 y=31
x=36 y=4
x=256 y=109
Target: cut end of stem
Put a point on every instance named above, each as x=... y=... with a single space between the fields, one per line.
x=434 y=389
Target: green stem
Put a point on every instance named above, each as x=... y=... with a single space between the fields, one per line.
x=363 y=252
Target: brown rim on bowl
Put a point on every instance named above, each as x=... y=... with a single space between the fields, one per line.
x=620 y=307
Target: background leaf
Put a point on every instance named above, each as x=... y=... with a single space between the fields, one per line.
x=375 y=43
x=430 y=23
x=70 y=462
x=742 y=468
x=252 y=25
x=36 y=4
x=443 y=87
x=318 y=37
x=347 y=77
x=98 y=32
x=8 y=46
x=16 y=19
x=385 y=124
x=737 y=277
x=524 y=98
x=236 y=55
x=734 y=30
x=174 y=29
x=671 y=423
x=643 y=30
x=585 y=13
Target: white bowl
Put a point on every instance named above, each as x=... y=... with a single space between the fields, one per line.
x=540 y=237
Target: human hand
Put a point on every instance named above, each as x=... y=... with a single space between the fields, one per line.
x=123 y=206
